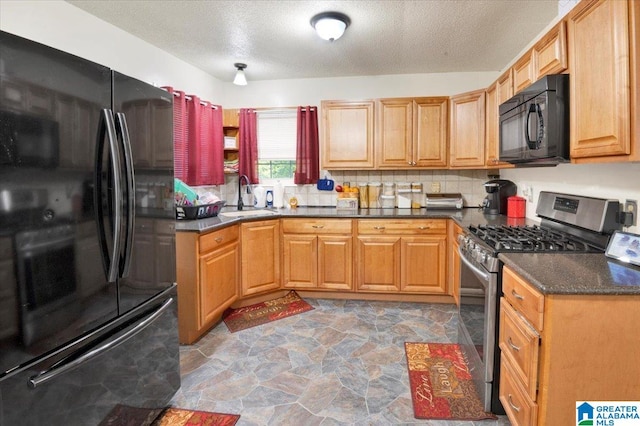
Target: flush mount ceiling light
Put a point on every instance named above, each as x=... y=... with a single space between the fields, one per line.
x=240 y=79
x=330 y=25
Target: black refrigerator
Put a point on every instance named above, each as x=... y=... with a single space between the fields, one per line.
x=87 y=239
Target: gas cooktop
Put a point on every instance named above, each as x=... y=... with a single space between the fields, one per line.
x=529 y=239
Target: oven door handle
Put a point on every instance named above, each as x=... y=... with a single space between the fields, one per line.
x=484 y=276
x=107 y=128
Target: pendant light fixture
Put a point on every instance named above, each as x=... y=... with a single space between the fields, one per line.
x=240 y=79
x=330 y=25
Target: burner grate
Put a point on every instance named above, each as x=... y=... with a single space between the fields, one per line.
x=528 y=239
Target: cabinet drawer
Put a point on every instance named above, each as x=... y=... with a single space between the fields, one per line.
x=316 y=226
x=521 y=410
x=523 y=297
x=218 y=239
x=520 y=346
x=402 y=227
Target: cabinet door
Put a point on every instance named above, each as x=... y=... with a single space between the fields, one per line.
x=600 y=96
x=523 y=72
x=467 y=130
x=300 y=261
x=218 y=282
x=378 y=263
x=347 y=135
x=424 y=264
x=505 y=86
x=335 y=262
x=394 y=134
x=550 y=53
x=492 y=125
x=430 y=132
x=260 y=256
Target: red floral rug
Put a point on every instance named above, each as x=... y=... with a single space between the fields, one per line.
x=441 y=385
x=262 y=313
x=123 y=415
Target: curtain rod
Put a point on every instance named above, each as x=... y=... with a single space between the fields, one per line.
x=187 y=97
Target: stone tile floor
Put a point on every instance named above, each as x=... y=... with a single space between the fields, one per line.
x=342 y=363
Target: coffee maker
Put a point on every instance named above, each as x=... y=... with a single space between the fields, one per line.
x=498 y=190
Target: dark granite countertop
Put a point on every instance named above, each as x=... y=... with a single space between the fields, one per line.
x=578 y=273
x=464 y=217
x=551 y=273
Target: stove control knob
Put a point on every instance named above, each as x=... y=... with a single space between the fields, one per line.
x=482 y=257
x=462 y=239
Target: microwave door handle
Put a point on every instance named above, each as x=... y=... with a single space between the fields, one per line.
x=534 y=108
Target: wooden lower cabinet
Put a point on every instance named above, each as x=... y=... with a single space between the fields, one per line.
x=208 y=279
x=557 y=350
x=454 y=261
x=317 y=254
x=407 y=256
x=260 y=252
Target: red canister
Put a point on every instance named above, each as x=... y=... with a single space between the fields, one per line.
x=516 y=207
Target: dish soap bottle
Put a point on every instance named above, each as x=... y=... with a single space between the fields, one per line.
x=260 y=197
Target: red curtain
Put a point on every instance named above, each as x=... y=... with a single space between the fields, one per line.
x=248 y=144
x=198 y=140
x=307 y=148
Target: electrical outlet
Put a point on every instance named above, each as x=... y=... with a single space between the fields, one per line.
x=631 y=206
x=435 y=187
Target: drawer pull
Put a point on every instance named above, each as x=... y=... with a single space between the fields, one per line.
x=516 y=295
x=514 y=406
x=219 y=240
x=514 y=347
x=379 y=227
x=424 y=227
x=317 y=226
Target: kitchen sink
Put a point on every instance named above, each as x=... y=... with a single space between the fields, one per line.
x=247 y=213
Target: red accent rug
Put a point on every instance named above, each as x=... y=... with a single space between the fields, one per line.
x=123 y=415
x=441 y=385
x=262 y=313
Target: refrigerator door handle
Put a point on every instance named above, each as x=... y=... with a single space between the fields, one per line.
x=107 y=128
x=72 y=361
x=123 y=132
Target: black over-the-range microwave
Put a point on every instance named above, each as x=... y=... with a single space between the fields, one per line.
x=534 y=124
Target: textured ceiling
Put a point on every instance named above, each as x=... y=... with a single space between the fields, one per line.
x=276 y=41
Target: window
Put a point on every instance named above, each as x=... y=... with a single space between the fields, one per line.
x=277 y=134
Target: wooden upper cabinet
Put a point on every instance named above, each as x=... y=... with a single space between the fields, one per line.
x=504 y=88
x=550 y=53
x=347 y=135
x=230 y=118
x=523 y=72
x=411 y=132
x=467 y=148
x=430 y=131
x=600 y=95
x=394 y=132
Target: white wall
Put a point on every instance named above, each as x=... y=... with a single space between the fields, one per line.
x=294 y=92
x=63 y=26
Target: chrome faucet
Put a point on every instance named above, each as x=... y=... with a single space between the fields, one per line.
x=246 y=179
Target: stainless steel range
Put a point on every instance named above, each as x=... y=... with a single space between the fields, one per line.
x=569 y=223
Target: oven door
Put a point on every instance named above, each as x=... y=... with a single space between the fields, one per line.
x=477 y=322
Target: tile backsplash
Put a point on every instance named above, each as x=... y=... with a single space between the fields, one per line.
x=466 y=182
